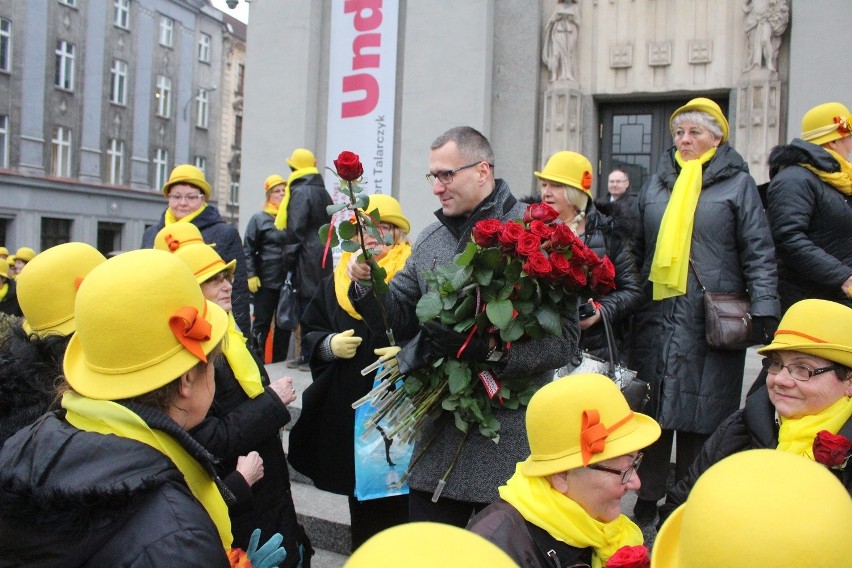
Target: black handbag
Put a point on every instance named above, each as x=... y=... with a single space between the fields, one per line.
x=287 y=311
x=727 y=318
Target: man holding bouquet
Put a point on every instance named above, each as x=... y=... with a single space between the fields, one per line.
x=454 y=474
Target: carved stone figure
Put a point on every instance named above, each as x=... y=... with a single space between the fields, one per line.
x=560 y=41
x=765 y=22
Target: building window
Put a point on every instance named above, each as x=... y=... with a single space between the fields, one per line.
x=167 y=26
x=118 y=82
x=202 y=108
x=238 y=132
x=64 y=78
x=200 y=162
x=121 y=14
x=109 y=237
x=61 y=152
x=204 y=48
x=5 y=45
x=164 y=96
x=54 y=232
x=115 y=165
x=234 y=196
x=4 y=141
x=68 y=2
x=241 y=76
x=161 y=168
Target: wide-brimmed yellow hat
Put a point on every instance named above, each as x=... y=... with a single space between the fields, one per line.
x=568 y=168
x=825 y=123
x=301 y=158
x=425 y=545
x=390 y=211
x=705 y=105
x=204 y=261
x=187 y=173
x=4 y=251
x=47 y=287
x=142 y=322
x=173 y=236
x=25 y=253
x=273 y=181
x=817 y=327
x=759 y=508
x=579 y=420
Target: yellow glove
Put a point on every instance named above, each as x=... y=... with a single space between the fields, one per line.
x=388 y=356
x=344 y=344
x=254 y=284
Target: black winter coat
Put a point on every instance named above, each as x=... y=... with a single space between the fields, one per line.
x=751 y=428
x=306 y=213
x=264 y=248
x=9 y=303
x=693 y=387
x=229 y=246
x=70 y=498
x=811 y=222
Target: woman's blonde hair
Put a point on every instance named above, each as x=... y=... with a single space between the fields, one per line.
x=578 y=199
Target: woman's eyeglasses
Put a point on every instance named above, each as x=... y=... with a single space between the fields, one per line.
x=188 y=198
x=626 y=474
x=220 y=277
x=801 y=373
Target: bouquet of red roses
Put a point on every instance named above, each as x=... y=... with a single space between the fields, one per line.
x=518 y=280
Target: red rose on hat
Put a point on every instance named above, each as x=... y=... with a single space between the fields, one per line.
x=349 y=166
x=541 y=212
x=832 y=450
x=528 y=244
x=485 y=232
x=629 y=557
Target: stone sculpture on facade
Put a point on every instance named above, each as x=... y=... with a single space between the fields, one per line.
x=560 y=41
x=765 y=23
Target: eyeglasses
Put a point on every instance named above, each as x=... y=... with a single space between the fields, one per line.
x=188 y=198
x=446 y=177
x=801 y=373
x=626 y=474
x=220 y=277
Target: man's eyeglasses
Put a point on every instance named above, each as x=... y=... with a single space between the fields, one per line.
x=446 y=177
x=220 y=277
x=801 y=373
x=626 y=474
x=188 y=198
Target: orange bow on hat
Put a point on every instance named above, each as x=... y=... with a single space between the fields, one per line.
x=191 y=329
x=594 y=434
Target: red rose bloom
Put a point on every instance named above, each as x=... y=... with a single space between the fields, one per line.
x=583 y=254
x=603 y=276
x=832 y=450
x=542 y=212
x=349 y=166
x=539 y=229
x=512 y=231
x=528 y=244
x=629 y=557
x=537 y=265
x=485 y=232
x=563 y=236
x=561 y=265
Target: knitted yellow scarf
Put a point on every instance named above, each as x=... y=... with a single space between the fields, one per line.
x=170 y=217
x=796 y=435
x=392 y=262
x=674 y=240
x=281 y=218
x=842 y=180
x=566 y=520
x=106 y=417
x=240 y=360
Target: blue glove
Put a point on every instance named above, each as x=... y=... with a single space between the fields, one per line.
x=270 y=555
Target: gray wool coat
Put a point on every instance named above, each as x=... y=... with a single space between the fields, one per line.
x=694 y=387
x=482 y=465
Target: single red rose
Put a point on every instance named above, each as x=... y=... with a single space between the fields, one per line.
x=512 y=231
x=629 y=557
x=561 y=265
x=485 y=232
x=602 y=276
x=563 y=236
x=528 y=244
x=575 y=277
x=537 y=265
x=539 y=229
x=349 y=166
x=540 y=211
x=581 y=254
x=832 y=450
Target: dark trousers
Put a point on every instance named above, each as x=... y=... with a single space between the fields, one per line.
x=265 y=302
x=375 y=515
x=654 y=470
x=447 y=511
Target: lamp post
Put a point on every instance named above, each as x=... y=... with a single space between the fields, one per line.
x=200 y=90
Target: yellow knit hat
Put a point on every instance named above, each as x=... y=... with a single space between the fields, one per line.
x=569 y=168
x=142 y=322
x=301 y=158
x=204 y=261
x=825 y=123
x=273 y=181
x=47 y=287
x=173 y=236
x=25 y=253
x=759 y=508
x=817 y=327
x=707 y=106
x=390 y=211
x=187 y=173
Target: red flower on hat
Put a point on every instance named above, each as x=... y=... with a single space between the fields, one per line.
x=629 y=557
x=832 y=450
x=843 y=125
x=587 y=180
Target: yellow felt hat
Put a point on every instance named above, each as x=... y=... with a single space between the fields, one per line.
x=47 y=287
x=4 y=251
x=273 y=181
x=25 y=253
x=175 y=235
x=707 y=106
x=817 y=327
x=582 y=419
x=426 y=545
x=142 y=322
x=568 y=168
x=759 y=508
x=204 y=261
x=187 y=173
x=301 y=158
x=825 y=123
x=10 y=260
x=390 y=211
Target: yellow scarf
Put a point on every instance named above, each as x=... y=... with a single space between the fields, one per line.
x=240 y=360
x=279 y=210
x=170 y=217
x=392 y=262
x=671 y=257
x=842 y=180
x=796 y=435
x=107 y=417
x=271 y=209
x=281 y=217
x=566 y=520
x=4 y=289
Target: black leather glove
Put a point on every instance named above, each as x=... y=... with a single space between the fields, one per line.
x=418 y=353
x=448 y=342
x=763 y=329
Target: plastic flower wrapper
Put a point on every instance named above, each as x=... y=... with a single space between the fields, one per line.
x=516 y=281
